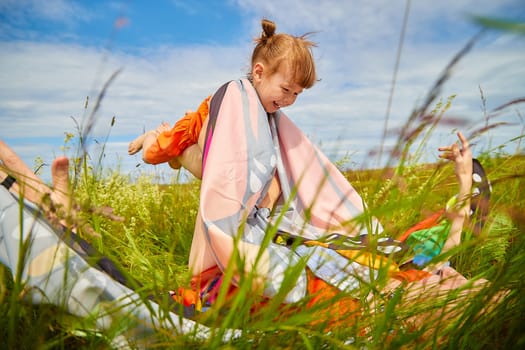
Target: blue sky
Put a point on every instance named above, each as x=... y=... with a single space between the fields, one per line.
x=173 y=53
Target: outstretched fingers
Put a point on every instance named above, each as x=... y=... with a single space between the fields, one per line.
x=463 y=139
x=453 y=151
x=465 y=146
x=462 y=158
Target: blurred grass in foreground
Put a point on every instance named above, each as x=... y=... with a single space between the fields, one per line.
x=152 y=246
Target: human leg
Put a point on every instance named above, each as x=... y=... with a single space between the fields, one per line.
x=52 y=272
x=191 y=158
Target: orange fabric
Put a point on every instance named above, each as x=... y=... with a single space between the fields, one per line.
x=204 y=277
x=333 y=309
x=343 y=311
x=185 y=132
x=186 y=297
x=411 y=275
x=429 y=222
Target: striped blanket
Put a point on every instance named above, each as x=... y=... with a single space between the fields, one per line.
x=245 y=149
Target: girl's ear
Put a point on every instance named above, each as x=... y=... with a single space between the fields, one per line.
x=257 y=72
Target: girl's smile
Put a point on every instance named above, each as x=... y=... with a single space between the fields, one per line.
x=276 y=90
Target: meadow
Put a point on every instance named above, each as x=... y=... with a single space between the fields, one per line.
x=151 y=246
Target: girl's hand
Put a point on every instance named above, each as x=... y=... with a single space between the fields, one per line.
x=462 y=157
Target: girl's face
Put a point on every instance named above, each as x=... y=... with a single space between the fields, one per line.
x=275 y=90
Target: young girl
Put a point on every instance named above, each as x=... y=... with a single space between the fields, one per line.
x=182 y=145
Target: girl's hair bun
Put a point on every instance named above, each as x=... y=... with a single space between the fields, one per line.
x=268 y=29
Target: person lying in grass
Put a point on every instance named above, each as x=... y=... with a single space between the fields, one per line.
x=58 y=198
x=51 y=264
x=22 y=181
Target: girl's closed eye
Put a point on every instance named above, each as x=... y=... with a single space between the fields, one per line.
x=288 y=91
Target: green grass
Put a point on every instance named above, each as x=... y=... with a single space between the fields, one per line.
x=153 y=241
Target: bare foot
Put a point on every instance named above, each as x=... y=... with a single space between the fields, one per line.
x=136 y=145
x=60 y=177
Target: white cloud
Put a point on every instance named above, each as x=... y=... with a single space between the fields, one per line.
x=51 y=10
x=48 y=82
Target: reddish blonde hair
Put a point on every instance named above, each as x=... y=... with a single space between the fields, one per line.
x=274 y=50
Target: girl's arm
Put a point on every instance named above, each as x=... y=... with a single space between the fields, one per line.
x=459 y=212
